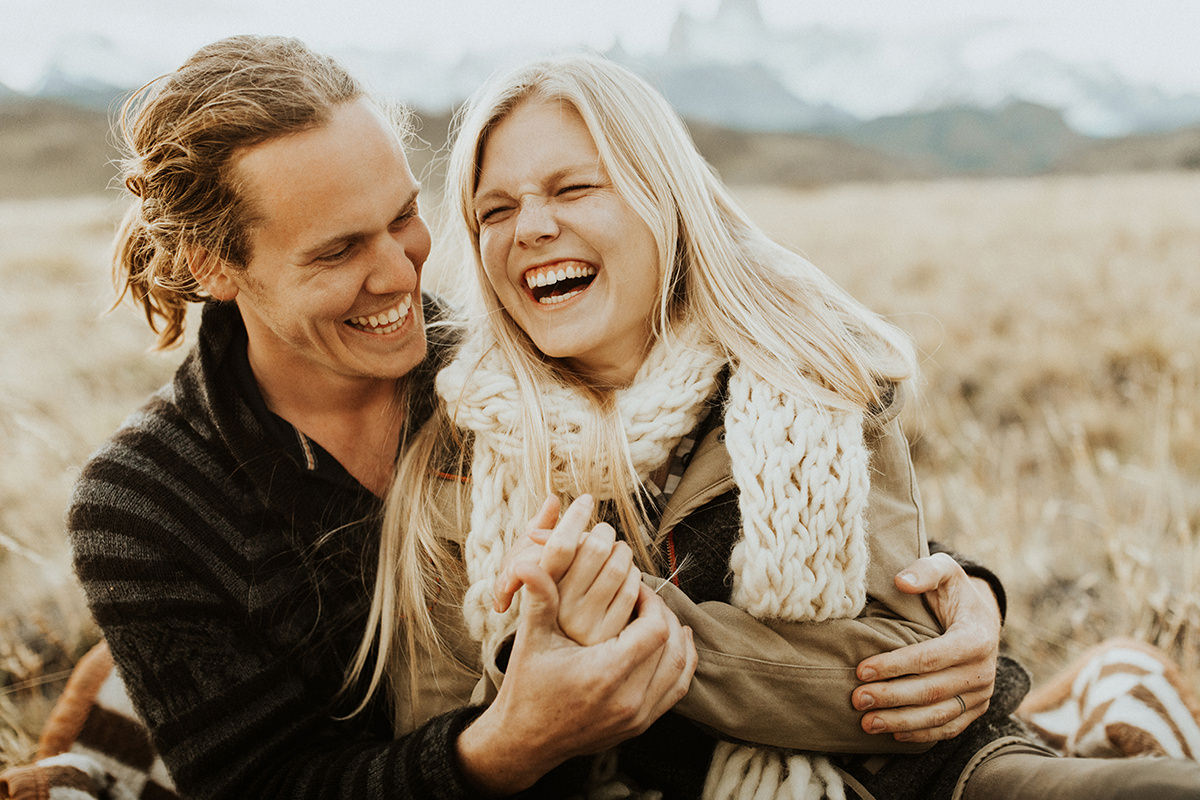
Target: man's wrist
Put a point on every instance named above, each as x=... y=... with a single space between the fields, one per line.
x=496 y=759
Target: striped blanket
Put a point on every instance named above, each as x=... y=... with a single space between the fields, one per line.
x=93 y=745
x=1121 y=698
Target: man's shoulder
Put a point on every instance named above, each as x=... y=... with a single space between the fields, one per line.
x=159 y=458
x=161 y=418
x=179 y=423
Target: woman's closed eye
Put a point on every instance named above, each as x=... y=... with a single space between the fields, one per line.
x=491 y=214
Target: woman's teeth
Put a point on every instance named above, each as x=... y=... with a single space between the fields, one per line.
x=557 y=283
x=385 y=321
x=552 y=299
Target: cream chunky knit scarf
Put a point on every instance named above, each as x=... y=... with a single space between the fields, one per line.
x=801 y=473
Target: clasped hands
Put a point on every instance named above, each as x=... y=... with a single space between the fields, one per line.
x=910 y=692
x=564 y=696
x=586 y=606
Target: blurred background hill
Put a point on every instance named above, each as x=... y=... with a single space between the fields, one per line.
x=53 y=148
x=59 y=146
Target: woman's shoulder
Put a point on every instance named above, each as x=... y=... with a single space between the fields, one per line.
x=887 y=407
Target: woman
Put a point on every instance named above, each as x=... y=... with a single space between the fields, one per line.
x=614 y=271
x=630 y=311
x=647 y=293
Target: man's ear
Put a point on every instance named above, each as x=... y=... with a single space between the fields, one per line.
x=214 y=274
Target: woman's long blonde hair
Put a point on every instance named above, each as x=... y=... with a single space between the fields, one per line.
x=765 y=307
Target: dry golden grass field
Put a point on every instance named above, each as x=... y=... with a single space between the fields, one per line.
x=1058 y=440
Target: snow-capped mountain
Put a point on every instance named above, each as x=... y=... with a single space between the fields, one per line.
x=92 y=69
x=738 y=70
x=870 y=75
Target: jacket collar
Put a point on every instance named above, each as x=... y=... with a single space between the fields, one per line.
x=708 y=476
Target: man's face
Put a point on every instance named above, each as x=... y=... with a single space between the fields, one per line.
x=331 y=292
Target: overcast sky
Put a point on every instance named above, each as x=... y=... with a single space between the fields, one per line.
x=1148 y=40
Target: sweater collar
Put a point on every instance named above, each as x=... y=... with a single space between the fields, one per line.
x=217 y=377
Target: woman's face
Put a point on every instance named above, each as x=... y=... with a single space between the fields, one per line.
x=569 y=259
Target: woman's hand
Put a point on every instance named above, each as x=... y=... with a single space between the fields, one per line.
x=914 y=692
x=549 y=542
x=600 y=588
x=598 y=584
x=529 y=548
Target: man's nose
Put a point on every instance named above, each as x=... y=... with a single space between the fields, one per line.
x=394 y=267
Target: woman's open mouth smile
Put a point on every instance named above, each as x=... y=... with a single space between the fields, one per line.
x=550 y=284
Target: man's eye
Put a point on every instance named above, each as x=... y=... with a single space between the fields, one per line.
x=337 y=255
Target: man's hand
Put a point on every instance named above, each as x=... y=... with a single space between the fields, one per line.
x=560 y=699
x=914 y=692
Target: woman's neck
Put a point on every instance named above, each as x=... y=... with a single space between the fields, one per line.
x=608 y=375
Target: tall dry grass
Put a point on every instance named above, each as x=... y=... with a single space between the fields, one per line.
x=1058 y=440
x=1059 y=435
x=68 y=376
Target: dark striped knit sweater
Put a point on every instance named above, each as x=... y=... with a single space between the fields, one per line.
x=223 y=555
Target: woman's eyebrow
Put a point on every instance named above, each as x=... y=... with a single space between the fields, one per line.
x=589 y=167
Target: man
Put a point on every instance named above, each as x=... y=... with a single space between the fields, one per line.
x=226 y=535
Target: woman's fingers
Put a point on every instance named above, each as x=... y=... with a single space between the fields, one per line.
x=621 y=608
x=591 y=555
x=604 y=608
x=560 y=549
x=537 y=532
x=597 y=602
x=547 y=515
x=597 y=580
x=509 y=579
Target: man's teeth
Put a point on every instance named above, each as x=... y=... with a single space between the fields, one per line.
x=385 y=321
x=548 y=276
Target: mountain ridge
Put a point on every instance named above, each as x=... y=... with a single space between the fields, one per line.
x=54 y=147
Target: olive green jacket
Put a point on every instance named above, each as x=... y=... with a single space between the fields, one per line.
x=783 y=684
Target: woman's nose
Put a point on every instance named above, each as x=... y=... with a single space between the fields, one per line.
x=535 y=222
